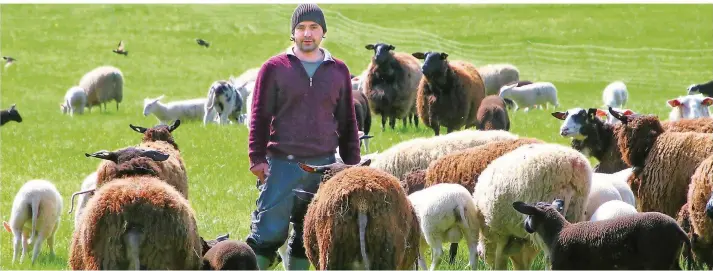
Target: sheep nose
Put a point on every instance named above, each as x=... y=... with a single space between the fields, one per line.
x=709 y=209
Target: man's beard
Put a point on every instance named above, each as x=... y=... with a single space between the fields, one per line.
x=307 y=48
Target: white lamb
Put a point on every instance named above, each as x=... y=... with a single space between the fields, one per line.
x=615 y=95
x=35 y=214
x=612 y=209
x=619 y=180
x=527 y=96
x=446 y=213
x=193 y=109
x=495 y=76
x=74 y=101
x=601 y=191
x=689 y=107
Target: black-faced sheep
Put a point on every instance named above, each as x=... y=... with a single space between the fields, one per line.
x=10 y=114
x=228 y=255
x=699 y=210
x=103 y=84
x=634 y=242
x=449 y=94
x=390 y=83
x=360 y=218
x=706 y=89
x=493 y=114
x=136 y=221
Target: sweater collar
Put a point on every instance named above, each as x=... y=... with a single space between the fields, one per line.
x=327 y=54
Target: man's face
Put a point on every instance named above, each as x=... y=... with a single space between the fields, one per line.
x=308 y=36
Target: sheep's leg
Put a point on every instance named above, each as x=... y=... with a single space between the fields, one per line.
x=17 y=239
x=435 y=126
x=50 y=244
x=383 y=123
x=421 y=256
x=500 y=257
x=404 y=121
x=436 y=253
x=37 y=245
x=392 y=122
x=415 y=120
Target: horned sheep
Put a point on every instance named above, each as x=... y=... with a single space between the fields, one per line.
x=689 y=107
x=191 y=109
x=615 y=95
x=492 y=114
x=496 y=76
x=74 y=101
x=449 y=94
x=35 y=218
x=532 y=172
x=527 y=96
x=10 y=114
x=635 y=242
x=136 y=221
x=103 y=84
x=360 y=218
x=391 y=82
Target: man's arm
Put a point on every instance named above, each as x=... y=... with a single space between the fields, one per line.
x=261 y=115
x=347 y=125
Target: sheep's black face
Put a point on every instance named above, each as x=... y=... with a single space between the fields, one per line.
x=14 y=114
x=126 y=154
x=536 y=214
x=574 y=120
x=382 y=51
x=435 y=64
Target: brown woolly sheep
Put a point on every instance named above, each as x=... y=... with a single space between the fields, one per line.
x=390 y=83
x=700 y=125
x=698 y=211
x=228 y=255
x=663 y=162
x=360 y=218
x=136 y=221
x=638 y=241
x=414 y=181
x=449 y=93
x=492 y=114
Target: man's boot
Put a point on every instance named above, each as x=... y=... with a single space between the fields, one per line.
x=297 y=263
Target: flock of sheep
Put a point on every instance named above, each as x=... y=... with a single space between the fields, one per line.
x=508 y=196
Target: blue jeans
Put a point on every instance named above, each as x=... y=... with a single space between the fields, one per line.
x=277 y=206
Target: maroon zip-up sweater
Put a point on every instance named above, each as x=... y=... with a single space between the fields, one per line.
x=293 y=114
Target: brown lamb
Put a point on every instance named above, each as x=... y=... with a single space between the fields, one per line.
x=414 y=181
x=228 y=255
x=492 y=114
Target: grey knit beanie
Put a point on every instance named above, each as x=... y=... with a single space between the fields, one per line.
x=308 y=12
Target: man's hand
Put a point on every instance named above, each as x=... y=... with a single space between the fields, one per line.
x=261 y=171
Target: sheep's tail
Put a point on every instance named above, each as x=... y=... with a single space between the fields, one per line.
x=362 y=238
x=453 y=251
x=35 y=211
x=211 y=100
x=77 y=193
x=132 y=240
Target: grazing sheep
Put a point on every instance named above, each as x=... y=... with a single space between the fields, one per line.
x=225 y=99
x=496 y=76
x=10 y=114
x=35 y=214
x=699 y=209
x=363 y=114
x=615 y=95
x=228 y=255
x=193 y=109
x=419 y=152
x=612 y=209
x=663 y=162
x=360 y=218
x=136 y=221
x=103 y=84
x=89 y=184
x=492 y=114
x=633 y=242
x=533 y=172
x=706 y=89
x=74 y=101
x=449 y=93
x=413 y=181
x=390 y=83
x=446 y=213
x=689 y=107
x=538 y=93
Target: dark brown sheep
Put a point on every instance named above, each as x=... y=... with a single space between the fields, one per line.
x=360 y=218
x=10 y=114
x=449 y=94
x=390 y=83
x=649 y=240
x=492 y=114
x=698 y=213
x=414 y=181
x=228 y=255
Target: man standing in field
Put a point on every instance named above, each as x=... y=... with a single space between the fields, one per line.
x=302 y=110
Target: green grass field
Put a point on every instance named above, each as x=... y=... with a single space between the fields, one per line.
x=580 y=48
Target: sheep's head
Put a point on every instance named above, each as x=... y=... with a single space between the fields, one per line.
x=131 y=161
x=435 y=64
x=220 y=87
x=540 y=213
x=63 y=108
x=150 y=104
x=636 y=136
x=159 y=132
x=693 y=89
x=575 y=120
x=506 y=90
x=382 y=51
x=690 y=107
x=14 y=114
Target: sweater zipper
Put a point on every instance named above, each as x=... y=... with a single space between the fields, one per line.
x=310 y=81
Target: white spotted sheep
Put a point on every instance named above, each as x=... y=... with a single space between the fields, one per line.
x=705 y=88
x=185 y=110
x=136 y=221
x=493 y=114
x=527 y=96
x=102 y=85
x=225 y=99
x=10 y=114
x=360 y=218
x=615 y=95
x=495 y=76
x=449 y=94
x=639 y=241
x=689 y=107
x=612 y=209
x=532 y=172
x=74 y=101
x=446 y=213
x=390 y=83
x=34 y=218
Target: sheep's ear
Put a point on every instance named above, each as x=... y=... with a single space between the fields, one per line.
x=365 y=163
x=707 y=101
x=618 y=116
x=155 y=155
x=12 y=107
x=174 y=125
x=673 y=102
x=419 y=55
x=104 y=154
x=601 y=113
x=7 y=226
x=444 y=55
x=524 y=208
x=369 y=46
x=138 y=128
x=559 y=115
x=313 y=169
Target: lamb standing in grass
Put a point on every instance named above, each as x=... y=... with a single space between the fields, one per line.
x=615 y=95
x=689 y=107
x=193 y=109
x=35 y=213
x=74 y=101
x=102 y=85
x=527 y=96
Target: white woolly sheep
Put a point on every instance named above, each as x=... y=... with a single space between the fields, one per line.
x=35 y=213
x=527 y=96
x=619 y=180
x=612 y=209
x=193 y=109
x=419 y=152
x=615 y=95
x=601 y=191
x=495 y=76
x=446 y=213
x=689 y=107
x=103 y=84
x=74 y=101
x=225 y=98
x=533 y=172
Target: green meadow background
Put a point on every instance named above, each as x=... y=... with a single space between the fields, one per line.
x=658 y=50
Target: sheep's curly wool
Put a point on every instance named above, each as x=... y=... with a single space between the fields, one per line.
x=414 y=181
x=701 y=225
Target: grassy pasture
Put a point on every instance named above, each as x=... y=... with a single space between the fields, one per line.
x=580 y=48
